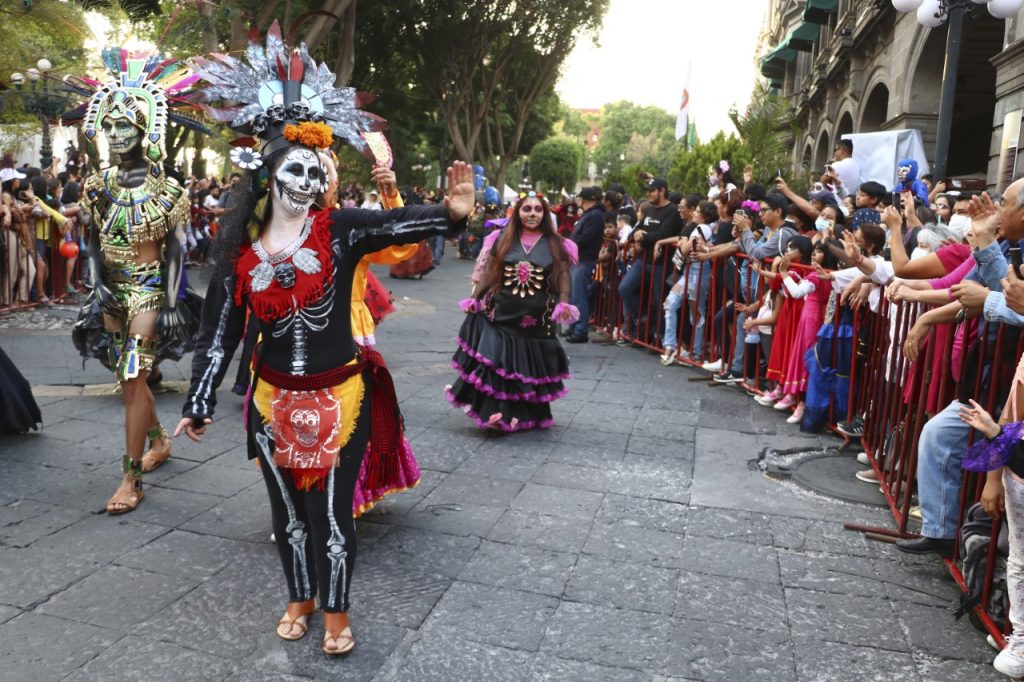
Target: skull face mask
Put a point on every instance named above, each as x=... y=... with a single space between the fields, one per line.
x=902 y=172
x=122 y=136
x=298 y=180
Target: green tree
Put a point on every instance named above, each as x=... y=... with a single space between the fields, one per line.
x=556 y=163
x=487 y=56
x=632 y=134
x=692 y=167
x=767 y=128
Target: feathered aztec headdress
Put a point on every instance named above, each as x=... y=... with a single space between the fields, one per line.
x=143 y=90
x=282 y=97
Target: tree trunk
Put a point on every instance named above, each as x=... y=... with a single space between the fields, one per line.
x=198 y=162
x=346 y=63
x=320 y=24
x=239 y=31
x=266 y=12
x=177 y=138
x=211 y=42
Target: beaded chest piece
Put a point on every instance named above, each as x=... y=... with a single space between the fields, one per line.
x=127 y=217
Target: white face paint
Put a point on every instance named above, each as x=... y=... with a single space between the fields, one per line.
x=121 y=135
x=902 y=172
x=298 y=180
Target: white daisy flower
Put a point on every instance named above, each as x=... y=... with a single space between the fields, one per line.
x=246 y=157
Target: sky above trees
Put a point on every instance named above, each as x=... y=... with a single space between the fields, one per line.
x=644 y=46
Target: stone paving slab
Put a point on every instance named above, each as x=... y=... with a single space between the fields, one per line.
x=632 y=541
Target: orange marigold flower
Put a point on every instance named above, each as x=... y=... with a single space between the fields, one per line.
x=310 y=134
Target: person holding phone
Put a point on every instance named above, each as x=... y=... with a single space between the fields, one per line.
x=843 y=172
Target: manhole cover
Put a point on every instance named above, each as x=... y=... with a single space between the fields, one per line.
x=834 y=475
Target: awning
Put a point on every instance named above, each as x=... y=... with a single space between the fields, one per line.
x=800 y=39
x=773 y=64
x=803 y=37
x=818 y=11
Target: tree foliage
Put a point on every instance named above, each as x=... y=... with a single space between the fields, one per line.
x=54 y=30
x=692 y=167
x=633 y=134
x=556 y=163
x=763 y=128
x=488 y=56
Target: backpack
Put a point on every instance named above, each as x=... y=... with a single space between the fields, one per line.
x=975 y=541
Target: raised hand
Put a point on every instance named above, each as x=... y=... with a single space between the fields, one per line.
x=385 y=180
x=976 y=417
x=985 y=219
x=461 y=197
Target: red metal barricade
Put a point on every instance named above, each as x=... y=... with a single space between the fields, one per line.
x=894 y=396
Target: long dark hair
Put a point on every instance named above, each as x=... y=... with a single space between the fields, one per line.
x=511 y=234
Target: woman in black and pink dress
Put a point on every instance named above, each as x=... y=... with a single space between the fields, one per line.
x=510 y=363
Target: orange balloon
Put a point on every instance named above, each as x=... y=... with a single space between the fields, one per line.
x=69 y=249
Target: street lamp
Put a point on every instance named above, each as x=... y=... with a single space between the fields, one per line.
x=932 y=14
x=39 y=99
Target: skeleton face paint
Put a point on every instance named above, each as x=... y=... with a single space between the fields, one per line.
x=298 y=180
x=122 y=136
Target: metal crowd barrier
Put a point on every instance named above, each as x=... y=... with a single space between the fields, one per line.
x=894 y=396
x=18 y=267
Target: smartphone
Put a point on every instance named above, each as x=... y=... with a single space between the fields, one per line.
x=1015 y=258
x=740 y=212
x=897 y=200
x=831 y=224
x=778 y=173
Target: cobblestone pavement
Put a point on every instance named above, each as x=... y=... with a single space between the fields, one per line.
x=633 y=541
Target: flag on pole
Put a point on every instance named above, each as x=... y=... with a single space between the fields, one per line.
x=691 y=137
x=683 y=118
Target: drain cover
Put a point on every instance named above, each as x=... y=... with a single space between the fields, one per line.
x=834 y=475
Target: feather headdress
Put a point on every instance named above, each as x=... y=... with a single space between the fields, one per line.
x=143 y=89
x=282 y=97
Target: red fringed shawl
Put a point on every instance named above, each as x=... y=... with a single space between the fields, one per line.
x=276 y=302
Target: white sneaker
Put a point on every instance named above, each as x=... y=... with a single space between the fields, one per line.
x=668 y=357
x=1010 y=662
x=715 y=366
x=862 y=458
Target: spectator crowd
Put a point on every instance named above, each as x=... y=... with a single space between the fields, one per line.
x=889 y=315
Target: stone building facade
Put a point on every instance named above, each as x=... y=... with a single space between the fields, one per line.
x=858 y=66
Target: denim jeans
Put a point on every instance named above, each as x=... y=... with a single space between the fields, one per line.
x=739 y=352
x=699 y=290
x=673 y=302
x=940 y=451
x=582 y=273
x=629 y=293
x=437 y=247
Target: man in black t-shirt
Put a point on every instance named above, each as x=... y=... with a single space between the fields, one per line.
x=647 y=274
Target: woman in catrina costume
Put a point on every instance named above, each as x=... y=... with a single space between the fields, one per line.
x=316 y=398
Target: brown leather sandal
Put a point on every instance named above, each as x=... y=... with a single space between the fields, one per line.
x=155 y=456
x=341 y=644
x=289 y=624
x=127 y=498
